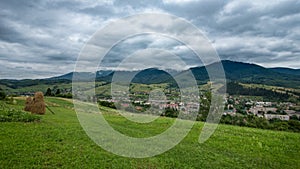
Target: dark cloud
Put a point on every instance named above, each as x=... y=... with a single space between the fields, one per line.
x=48 y=35
x=140 y=43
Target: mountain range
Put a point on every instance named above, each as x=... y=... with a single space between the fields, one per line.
x=234 y=71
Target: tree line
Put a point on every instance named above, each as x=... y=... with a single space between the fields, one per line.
x=58 y=93
x=234 y=88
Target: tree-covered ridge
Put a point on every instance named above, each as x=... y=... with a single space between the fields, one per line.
x=234 y=71
x=234 y=88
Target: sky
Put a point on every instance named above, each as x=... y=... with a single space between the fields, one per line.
x=43 y=38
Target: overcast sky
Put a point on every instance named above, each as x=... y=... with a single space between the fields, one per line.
x=43 y=38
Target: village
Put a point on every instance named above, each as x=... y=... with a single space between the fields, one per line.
x=234 y=106
x=241 y=105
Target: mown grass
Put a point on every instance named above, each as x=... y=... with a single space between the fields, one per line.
x=58 y=141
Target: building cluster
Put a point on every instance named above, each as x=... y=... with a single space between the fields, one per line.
x=269 y=110
x=235 y=106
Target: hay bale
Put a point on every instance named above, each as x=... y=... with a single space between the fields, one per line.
x=39 y=97
x=28 y=104
x=38 y=106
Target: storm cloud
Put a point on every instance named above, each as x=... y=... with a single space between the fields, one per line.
x=43 y=38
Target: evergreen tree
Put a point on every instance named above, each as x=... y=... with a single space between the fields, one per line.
x=57 y=92
x=48 y=92
x=2 y=94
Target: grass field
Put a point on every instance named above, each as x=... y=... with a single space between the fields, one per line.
x=58 y=141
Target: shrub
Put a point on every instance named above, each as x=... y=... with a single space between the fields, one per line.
x=12 y=115
x=107 y=104
x=66 y=95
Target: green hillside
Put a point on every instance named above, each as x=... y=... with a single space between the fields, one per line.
x=248 y=73
x=287 y=71
x=58 y=141
x=234 y=71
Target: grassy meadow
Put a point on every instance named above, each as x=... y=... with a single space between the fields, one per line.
x=58 y=141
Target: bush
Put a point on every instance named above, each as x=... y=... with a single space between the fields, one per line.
x=67 y=95
x=171 y=112
x=107 y=104
x=294 y=125
x=12 y=115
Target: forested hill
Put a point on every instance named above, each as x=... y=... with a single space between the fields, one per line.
x=249 y=73
x=234 y=71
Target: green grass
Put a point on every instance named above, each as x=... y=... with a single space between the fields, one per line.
x=9 y=114
x=58 y=141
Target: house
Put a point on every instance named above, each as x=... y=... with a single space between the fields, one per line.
x=292 y=113
x=261 y=110
x=275 y=116
x=231 y=112
x=264 y=104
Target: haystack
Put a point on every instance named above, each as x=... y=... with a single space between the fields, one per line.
x=28 y=104
x=37 y=105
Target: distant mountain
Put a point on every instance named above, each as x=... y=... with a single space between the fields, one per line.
x=69 y=76
x=15 y=84
x=247 y=73
x=234 y=71
x=252 y=73
x=152 y=76
x=147 y=76
x=287 y=70
x=83 y=75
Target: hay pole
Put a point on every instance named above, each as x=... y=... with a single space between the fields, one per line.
x=50 y=109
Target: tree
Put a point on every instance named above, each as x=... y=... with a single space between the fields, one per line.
x=2 y=94
x=48 y=92
x=294 y=125
x=171 y=112
x=57 y=92
x=294 y=117
x=204 y=106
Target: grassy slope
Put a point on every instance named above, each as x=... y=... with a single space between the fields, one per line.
x=267 y=87
x=59 y=141
x=100 y=89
